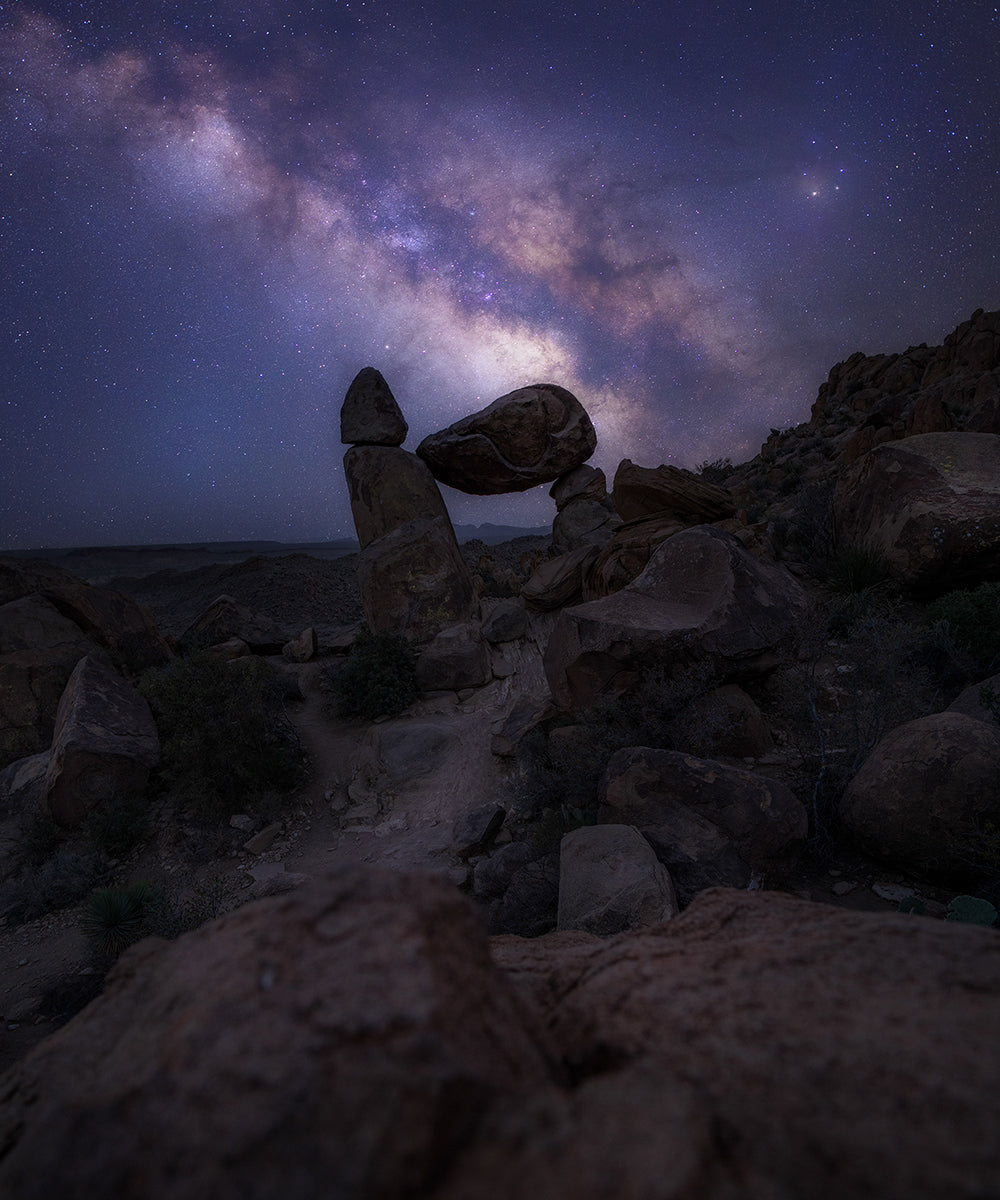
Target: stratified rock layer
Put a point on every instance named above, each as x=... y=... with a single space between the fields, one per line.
x=528 y=437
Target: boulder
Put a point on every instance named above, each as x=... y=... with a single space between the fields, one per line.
x=22 y=783
x=388 y=488
x=726 y=721
x=476 y=830
x=930 y=505
x=970 y=701
x=506 y=622
x=414 y=581
x=344 y=1039
x=226 y=619
x=585 y=515
x=31 y=683
x=559 y=581
x=301 y=648
x=702 y=596
x=370 y=415
x=926 y=792
x=610 y=881
x=453 y=659
x=640 y=492
x=709 y=824
x=528 y=437
x=530 y=902
x=34 y=623
x=757 y=1046
x=104 y=743
x=625 y=556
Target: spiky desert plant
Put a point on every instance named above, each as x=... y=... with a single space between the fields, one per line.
x=115 y=917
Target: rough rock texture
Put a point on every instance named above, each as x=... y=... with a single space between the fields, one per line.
x=31 y=682
x=623 y=558
x=726 y=721
x=702 y=596
x=226 y=619
x=301 y=648
x=343 y=1040
x=560 y=580
x=970 y=700
x=353 y=1039
x=930 y=505
x=389 y=487
x=370 y=415
x=530 y=901
x=455 y=658
x=414 y=581
x=925 y=793
x=610 y=881
x=585 y=515
x=506 y=622
x=709 y=824
x=104 y=743
x=640 y=492
x=528 y=437
x=22 y=783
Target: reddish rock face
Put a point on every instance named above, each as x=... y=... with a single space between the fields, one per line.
x=640 y=492
x=926 y=792
x=702 y=596
x=525 y=438
x=389 y=487
x=930 y=504
x=370 y=415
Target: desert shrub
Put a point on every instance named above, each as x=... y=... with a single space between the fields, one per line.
x=120 y=824
x=379 y=678
x=857 y=569
x=971 y=910
x=715 y=470
x=226 y=742
x=970 y=619
x=64 y=878
x=115 y=917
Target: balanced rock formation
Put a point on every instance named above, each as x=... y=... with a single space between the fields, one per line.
x=356 y=1039
x=528 y=437
x=370 y=415
x=585 y=515
x=389 y=486
x=702 y=596
x=709 y=824
x=926 y=792
x=930 y=505
x=104 y=745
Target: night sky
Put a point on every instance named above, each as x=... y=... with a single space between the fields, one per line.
x=212 y=215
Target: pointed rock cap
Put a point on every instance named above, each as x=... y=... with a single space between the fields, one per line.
x=370 y=415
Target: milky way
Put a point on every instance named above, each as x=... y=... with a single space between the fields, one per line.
x=210 y=223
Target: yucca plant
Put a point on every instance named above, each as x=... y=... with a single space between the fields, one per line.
x=115 y=917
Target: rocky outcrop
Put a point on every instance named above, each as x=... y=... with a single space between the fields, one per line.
x=559 y=581
x=528 y=437
x=930 y=505
x=626 y=555
x=585 y=515
x=610 y=881
x=226 y=619
x=641 y=492
x=354 y=1039
x=702 y=596
x=926 y=792
x=709 y=824
x=455 y=658
x=370 y=415
x=105 y=743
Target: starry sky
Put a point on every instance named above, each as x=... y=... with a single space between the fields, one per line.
x=212 y=215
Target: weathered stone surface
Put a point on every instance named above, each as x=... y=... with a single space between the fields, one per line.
x=341 y=1040
x=506 y=622
x=925 y=793
x=388 y=488
x=528 y=437
x=455 y=658
x=33 y=623
x=414 y=581
x=626 y=555
x=530 y=900
x=582 y=483
x=301 y=648
x=526 y=715
x=610 y=881
x=728 y=1054
x=702 y=596
x=110 y=620
x=370 y=415
x=930 y=505
x=476 y=829
x=225 y=619
x=31 y=682
x=709 y=824
x=493 y=872
x=640 y=492
x=22 y=783
x=970 y=700
x=727 y=721
x=559 y=581
x=585 y=515
x=104 y=743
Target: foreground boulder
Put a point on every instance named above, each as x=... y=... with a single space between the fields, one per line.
x=354 y=1039
x=927 y=793
x=105 y=743
x=528 y=437
x=702 y=596
x=709 y=824
x=930 y=505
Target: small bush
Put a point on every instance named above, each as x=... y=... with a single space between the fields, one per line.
x=116 y=917
x=971 y=620
x=64 y=878
x=119 y=825
x=379 y=678
x=715 y=470
x=226 y=742
x=858 y=569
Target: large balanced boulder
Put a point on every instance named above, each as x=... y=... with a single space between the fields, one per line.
x=105 y=743
x=640 y=492
x=711 y=825
x=370 y=415
x=925 y=794
x=528 y=437
x=610 y=880
x=930 y=505
x=702 y=596
x=388 y=487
